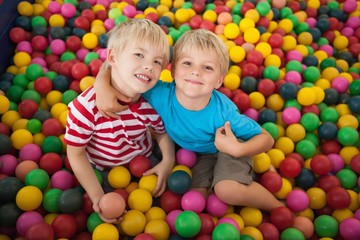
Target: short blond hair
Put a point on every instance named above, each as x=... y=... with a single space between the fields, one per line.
x=148 y=33
x=204 y=40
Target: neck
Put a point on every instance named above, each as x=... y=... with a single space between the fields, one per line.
x=134 y=97
x=190 y=103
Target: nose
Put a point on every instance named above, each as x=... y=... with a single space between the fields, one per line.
x=195 y=72
x=149 y=68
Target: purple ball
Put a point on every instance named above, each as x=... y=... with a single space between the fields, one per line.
x=8 y=164
x=297 y=200
x=350 y=229
x=193 y=201
x=31 y=152
x=26 y=220
x=62 y=180
x=186 y=157
x=215 y=206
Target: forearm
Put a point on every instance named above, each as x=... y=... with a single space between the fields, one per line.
x=256 y=145
x=103 y=76
x=167 y=148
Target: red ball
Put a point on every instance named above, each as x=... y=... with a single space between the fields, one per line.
x=17 y=34
x=207 y=224
x=327 y=182
x=43 y=85
x=282 y=218
x=355 y=163
x=275 y=40
x=138 y=165
x=87 y=206
x=242 y=101
x=255 y=57
x=40 y=230
x=144 y=236
x=52 y=127
x=79 y=70
x=227 y=92
x=125 y=194
x=64 y=225
x=73 y=43
x=102 y=15
x=82 y=23
x=330 y=146
x=152 y=17
x=250 y=69
x=170 y=201
x=320 y=164
x=266 y=87
x=65 y=68
x=51 y=162
x=83 y=236
x=94 y=66
x=338 y=198
x=296 y=156
x=4 y=129
x=39 y=43
x=199 y=6
x=27 y=108
x=246 y=6
x=269 y=231
x=290 y=167
x=311 y=108
x=81 y=220
x=88 y=14
x=75 y=85
x=271 y=181
x=51 y=58
x=208 y=25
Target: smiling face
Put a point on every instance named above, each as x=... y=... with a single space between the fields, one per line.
x=135 y=69
x=197 y=73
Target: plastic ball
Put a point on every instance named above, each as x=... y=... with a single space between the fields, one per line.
x=271 y=181
x=30 y=152
x=62 y=179
x=193 y=201
x=105 y=231
x=186 y=157
x=269 y=231
x=179 y=182
x=338 y=198
x=148 y=182
x=347 y=136
x=290 y=167
x=347 y=178
x=320 y=164
x=40 y=230
x=26 y=220
x=291 y=233
x=170 y=201
x=51 y=199
x=29 y=198
x=9 y=187
x=140 y=199
x=187 y=224
x=326 y=226
x=282 y=218
x=139 y=165
x=119 y=177
x=291 y=115
x=38 y=178
x=251 y=216
x=51 y=162
x=157 y=228
x=64 y=225
x=171 y=218
x=23 y=168
x=225 y=231
x=297 y=200
x=350 y=228
x=215 y=206
x=70 y=201
x=8 y=164
x=306 y=148
x=52 y=144
x=133 y=223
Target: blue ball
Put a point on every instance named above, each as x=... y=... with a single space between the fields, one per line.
x=327 y=131
x=179 y=182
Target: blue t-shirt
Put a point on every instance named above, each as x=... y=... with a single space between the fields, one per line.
x=195 y=130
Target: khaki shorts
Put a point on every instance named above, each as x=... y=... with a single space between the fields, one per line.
x=212 y=168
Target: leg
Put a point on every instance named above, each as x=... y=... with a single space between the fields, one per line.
x=253 y=195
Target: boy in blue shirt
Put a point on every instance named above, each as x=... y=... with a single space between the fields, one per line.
x=203 y=120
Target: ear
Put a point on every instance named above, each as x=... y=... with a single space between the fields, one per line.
x=110 y=57
x=219 y=81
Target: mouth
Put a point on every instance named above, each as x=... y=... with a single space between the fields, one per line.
x=143 y=78
x=193 y=81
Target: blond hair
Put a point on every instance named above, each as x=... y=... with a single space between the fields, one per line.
x=139 y=29
x=204 y=40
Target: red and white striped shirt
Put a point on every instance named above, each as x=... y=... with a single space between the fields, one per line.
x=111 y=142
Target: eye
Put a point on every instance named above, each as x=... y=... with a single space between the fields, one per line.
x=140 y=55
x=158 y=62
x=186 y=63
x=209 y=68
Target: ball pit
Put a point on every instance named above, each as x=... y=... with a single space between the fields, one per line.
x=294 y=69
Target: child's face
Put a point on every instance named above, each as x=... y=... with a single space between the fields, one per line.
x=197 y=74
x=136 y=69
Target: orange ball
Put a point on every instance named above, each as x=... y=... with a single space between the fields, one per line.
x=112 y=205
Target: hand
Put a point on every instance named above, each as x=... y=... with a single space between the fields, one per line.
x=162 y=170
x=225 y=140
x=107 y=220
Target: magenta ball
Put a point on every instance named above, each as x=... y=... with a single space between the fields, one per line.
x=293 y=77
x=171 y=218
x=57 y=46
x=350 y=6
x=252 y=113
x=8 y=164
x=186 y=157
x=26 y=220
x=357 y=214
x=350 y=229
x=31 y=152
x=294 y=55
x=193 y=201
x=62 y=180
x=337 y=162
x=109 y=24
x=68 y=10
x=215 y=206
x=54 y=7
x=24 y=46
x=340 y=84
x=129 y=11
x=291 y=115
x=81 y=53
x=297 y=200
x=230 y=221
x=327 y=48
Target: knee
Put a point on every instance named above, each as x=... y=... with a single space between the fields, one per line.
x=224 y=193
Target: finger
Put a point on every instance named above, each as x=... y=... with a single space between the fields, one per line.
x=227 y=126
x=104 y=114
x=112 y=114
x=149 y=172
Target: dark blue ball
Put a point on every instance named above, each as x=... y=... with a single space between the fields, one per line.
x=179 y=182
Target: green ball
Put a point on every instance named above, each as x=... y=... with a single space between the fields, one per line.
x=293 y=103
x=38 y=178
x=14 y=93
x=90 y=56
x=302 y=27
x=187 y=224
x=120 y=19
x=329 y=114
x=292 y=234
x=294 y=19
x=354 y=87
x=311 y=74
x=51 y=75
x=34 y=125
x=327 y=62
x=310 y=121
x=21 y=80
x=34 y=71
x=271 y=72
x=67 y=56
x=225 y=231
x=305 y=148
x=284 y=12
x=51 y=199
x=52 y=144
x=272 y=128
x=263 y=8
x=347 y=178
x=347 y=136
x=38 y=21
x=326 y=226
x=93 y=221
x=68 y=96
x=294 y=65
x=246 y=237
x=31 y=94
x=312 y=137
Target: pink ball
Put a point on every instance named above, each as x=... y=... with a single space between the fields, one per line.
x=39 y=61
x=350 y=229
x=54 y=7
x=311 y=22
x=337 y=162
x=129 y=11
x=252 y=113
x=328 y=49
x=353 y=22
x=215 y=206
x=68 y=10
x=186 y=157
x=81 y=53
x=340 y=84
x=31 y=152
x=347 y=31
x=24 y=46
x=26 y=220
x=297 y=200
x=171 y=218
x=230 y=221
x=294 y=55
x=291 y=115
x=350 y=6
x=109 y=24
x=57 y=46
x=293 y=77
x=62 y=180
x=8 y=164
x=357 y=214
x=193 y=201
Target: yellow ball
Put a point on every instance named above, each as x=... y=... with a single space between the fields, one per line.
x=90 y=40
x=251 y=35
x=210 y=15
x=313 y=4
x=323 y=83
x=182 y=168
x=264 y=48
x=330 y=73
x=140 y=199
x=4 y=237
x=275 y=102
x=98 y=29
x=285 y=189
x=22 y=59
x=232 y=81
x=354 y=204
x=246 y=23
x=4 y=104
x=63 y=118
x=158 y=228
x=276 y=156
x=348 y=120
x=237 y=54
x=29 y=198
x=341 y=42
x=182 y=15
x=252 y=232
x=348 y=152
x=57 y=109
x=317 y=197
x=53 y=97
x=165 y=76
x=231 y=30
x=132 y=186
x=20 y=138
x=289 y=43
x=161 y=9
x=133 y=223
x=38 y=138
x=237 y=218
x=306 y=96
x=320 y=55
x=155 y=213
x=272 y=60
x=302 y=49
x=251 y=216
x=86 y=82
x=261 y=163
x=119 y=177
x=20 y=124
x=105 y=231
x=286 y=25
x=235 y=69
x=295 y=132
x=285 y=144
x=305 y=38
x=252 y=14
x=148 y=182
x=319 y=94
x=56 y=20
x=308 y=212
x=25 y=8
x=257 y=100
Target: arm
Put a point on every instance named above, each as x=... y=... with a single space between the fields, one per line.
x=225 y=141
x=106 y=96
x=163 y=169
x=86 y=176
